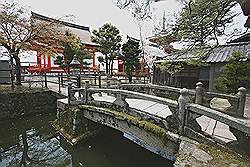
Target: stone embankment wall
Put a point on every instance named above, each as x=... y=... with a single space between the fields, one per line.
x=25 y=101
x=192 y=153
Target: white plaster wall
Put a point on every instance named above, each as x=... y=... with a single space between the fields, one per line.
x=102 y=65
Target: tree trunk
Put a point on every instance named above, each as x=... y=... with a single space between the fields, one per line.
x=111 y=68
x=18 y=68
x=12 y=76
x=68 y=69
x=130 y=76
x=107 y=66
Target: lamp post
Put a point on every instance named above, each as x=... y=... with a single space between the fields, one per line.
x=75 y=63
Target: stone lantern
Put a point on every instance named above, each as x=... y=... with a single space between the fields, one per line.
x=75 y=63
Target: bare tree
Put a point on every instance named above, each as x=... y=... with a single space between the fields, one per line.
x=18 y=32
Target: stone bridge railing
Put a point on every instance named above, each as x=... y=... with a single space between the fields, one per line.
x=84 y=96
x=184 y=111
x=234 y=104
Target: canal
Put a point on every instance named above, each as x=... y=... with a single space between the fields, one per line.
x=32 y=141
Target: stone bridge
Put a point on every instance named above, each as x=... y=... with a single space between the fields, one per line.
x=160 y=118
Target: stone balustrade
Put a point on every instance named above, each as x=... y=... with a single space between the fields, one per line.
x=188 y=125
x=185 y=110
x=198 y=96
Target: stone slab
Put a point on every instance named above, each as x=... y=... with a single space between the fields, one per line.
x=104 y=97
x=134 y=102
x=164 y=113
x=155 y=108
x=143 y=104
x=222 y=132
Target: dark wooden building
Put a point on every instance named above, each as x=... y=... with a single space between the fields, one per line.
x=215 y=59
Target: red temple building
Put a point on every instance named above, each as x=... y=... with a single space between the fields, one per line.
x=45 y=62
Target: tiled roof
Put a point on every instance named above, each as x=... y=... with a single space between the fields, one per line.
x=45 y=18
x=223 y=53
x=243 y=38
x=82 y=32
x=216 y=55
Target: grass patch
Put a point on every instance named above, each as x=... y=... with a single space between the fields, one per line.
x=223 y=157
x=19 y=89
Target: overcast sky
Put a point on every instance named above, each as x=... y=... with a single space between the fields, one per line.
x=95 y=13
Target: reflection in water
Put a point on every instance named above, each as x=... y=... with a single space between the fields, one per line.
x=31 y=142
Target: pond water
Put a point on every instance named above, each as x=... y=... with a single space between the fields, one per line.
x=32 y=142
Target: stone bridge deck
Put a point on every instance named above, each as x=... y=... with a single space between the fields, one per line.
x=208 y=125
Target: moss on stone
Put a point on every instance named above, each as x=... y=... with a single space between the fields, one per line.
x=64 y=123
x=20 y=89
x=135 y=120
x=25 y=101
x=225 y=157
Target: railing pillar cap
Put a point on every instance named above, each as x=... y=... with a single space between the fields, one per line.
x=242 y=89
x=199 y=84
x=184 y=91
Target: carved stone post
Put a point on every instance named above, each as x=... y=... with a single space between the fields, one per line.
x=119 y=84
x=151 y=90
x=86 y=86
x=76 y=121
x=121 y=102
x=242 y=100
x=199 y=92
x=182 y=103
x=69 y=92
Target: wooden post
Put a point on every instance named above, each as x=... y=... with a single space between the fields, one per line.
x=199 y=93
x=95 y=77
x=59 y=84
x=182 y=103
x=45 y=80
x=61 y=79
x=242 y=100
x=99 y=81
